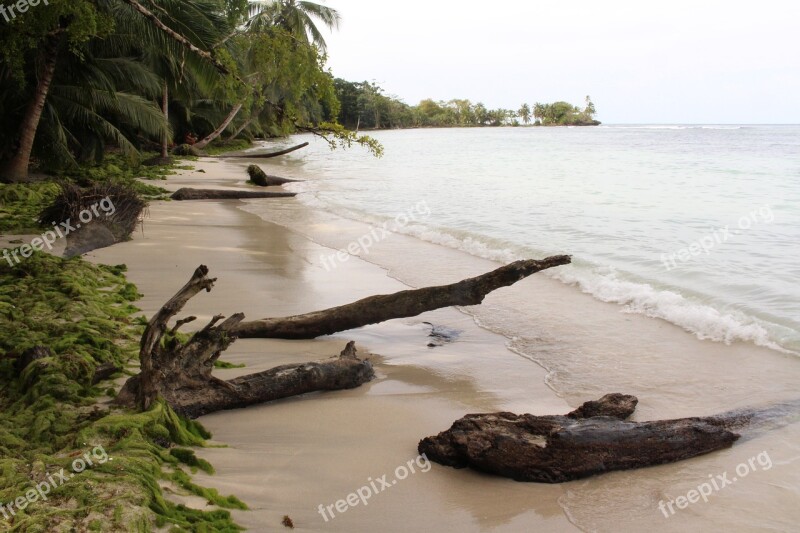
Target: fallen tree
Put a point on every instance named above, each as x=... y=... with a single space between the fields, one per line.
x=180 y=370
x=593 y=439
x=268 y=155
x=262 y=179
x=375 y=309
x=217 y=194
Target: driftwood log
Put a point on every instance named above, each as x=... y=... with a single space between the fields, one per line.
x=214 y=194
x=593 y=439
x=181 y=372
x=375 y=309
x=269 y=155
x=262 y=179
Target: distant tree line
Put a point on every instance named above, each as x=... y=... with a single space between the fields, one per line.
x=365 y=105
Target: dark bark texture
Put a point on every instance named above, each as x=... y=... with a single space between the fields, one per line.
x=375 y=309
x=214 y=194
x=593 y=439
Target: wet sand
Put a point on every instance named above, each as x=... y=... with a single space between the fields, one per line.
x=289 y=457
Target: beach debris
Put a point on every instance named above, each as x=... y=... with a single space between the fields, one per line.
x=287 y=521
x=442 y=335
x=593 y=439
x=187 y=193
x=403 y=304
x=250 y=155
x=262 y=179
x=180 y=371
x=93 y=217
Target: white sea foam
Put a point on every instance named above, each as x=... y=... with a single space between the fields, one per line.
x=704 y=321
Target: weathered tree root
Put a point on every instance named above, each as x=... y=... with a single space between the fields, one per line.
x=266 y=156
x=593 y=439
x=181 y=373
x=214 y=194
x=375 y=309
x=262 y=179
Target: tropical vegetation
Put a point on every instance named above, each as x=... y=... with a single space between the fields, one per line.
x=81 y=77
x=365 y=105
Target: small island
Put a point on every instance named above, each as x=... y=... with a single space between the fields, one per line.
x=366 y=106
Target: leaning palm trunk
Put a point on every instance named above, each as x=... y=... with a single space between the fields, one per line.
x=16 y=169
x=165 y=109
x=241 y=128
x=217 y=132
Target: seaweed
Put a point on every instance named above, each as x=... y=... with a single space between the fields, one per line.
x=50 y=413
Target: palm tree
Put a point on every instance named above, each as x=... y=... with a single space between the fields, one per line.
x=297 y=17
x=525 y=113
x=91 y=92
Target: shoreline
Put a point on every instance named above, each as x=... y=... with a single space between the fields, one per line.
x=288 y=457
x=267 y=270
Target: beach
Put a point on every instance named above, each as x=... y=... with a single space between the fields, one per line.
x=293 y=456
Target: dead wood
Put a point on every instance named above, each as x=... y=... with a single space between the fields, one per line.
x=375 y=309
x=213 y=194
x=593 y=439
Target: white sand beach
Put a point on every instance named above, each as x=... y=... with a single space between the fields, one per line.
x=291 y=456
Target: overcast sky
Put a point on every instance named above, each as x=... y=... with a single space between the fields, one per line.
x=704 y=61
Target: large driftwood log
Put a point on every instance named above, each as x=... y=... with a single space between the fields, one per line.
x=262 y=179
x=181 y=373
x=375 y=309
x=213 y=194
x=269 y=155
x=593 y=439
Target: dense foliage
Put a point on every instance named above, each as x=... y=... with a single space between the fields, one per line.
x=81 y=76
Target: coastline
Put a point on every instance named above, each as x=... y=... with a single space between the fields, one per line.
x=288 y=457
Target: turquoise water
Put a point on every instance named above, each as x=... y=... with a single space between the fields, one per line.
x=697 y=225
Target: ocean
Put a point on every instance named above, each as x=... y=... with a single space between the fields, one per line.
x=695 y=225
x=683 y=289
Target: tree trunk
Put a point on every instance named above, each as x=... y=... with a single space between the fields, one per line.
x=269 y=155
x=165 y=109
x=241 y=128
x=181 y=373
x=212 y=194
x=262 y=179
x=16 y=169
x=591 y=440
x=375 y=309
x=217 y=132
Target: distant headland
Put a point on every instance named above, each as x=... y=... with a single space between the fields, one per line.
x=365 y=106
